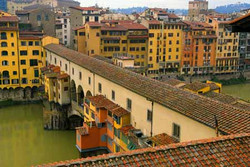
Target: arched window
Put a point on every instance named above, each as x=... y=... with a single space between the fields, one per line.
x=4 y=44
x=3 y=35
x=5 y=63
x=4 y=53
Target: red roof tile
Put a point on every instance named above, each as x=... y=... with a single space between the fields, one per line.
x=199 y=108
x=30 y=38
x=94 y=24
x=125 y=129
x=8 y=19
x=230 y=150
x=85 y=8
x=133 y=26
x=100 y=101
x=163 y=139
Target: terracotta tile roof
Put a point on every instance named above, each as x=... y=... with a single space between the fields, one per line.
x=133 y=26
x=199 y=108
x=239 y=19
x=100 y=101
x=119 y=111
x=163 y=139
x=195 y=86
x=235 y=102
x=31 y=33
x=29 y=37
x=174 y=82
x=125 y=129
x=94 y=24
x=85 y=8
x=116 y=27
x=232 y=150
x=8 y=19
x=154 y=22
x=221 y=97
x=62 y=76
x=79 y=28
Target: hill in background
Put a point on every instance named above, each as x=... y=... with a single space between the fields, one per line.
x=221 y=9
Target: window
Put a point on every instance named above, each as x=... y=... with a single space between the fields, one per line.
x=4 y=44
x=24 y=81
x=66 y=88
x=92 y=115
x=100 y=87
x=47 y=17
x=80 y=75
x=89 y=81
x=35 y=52
x=12 y=44
x=14 y=72
x=37 y=43
x=149 y=115
x=36 y=73
x=176 y=131
x=38 y=18
x=129 y=104
x=23 y=53
x=23 y=62
x=13 y=63
x=13 y=53
x=24 y=71
x=4 y=53
x=113 y=95
x=66 y=67
x=33 y=62
x=5 y=63
x=30 y=43
x=12 y=35
x=3 y=35
x=23 y=43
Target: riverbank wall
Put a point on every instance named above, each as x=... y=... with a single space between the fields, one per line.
x=17 y=96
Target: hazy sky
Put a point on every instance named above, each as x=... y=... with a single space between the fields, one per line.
x=180 y=4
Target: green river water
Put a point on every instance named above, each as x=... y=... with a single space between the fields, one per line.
x=240 y=90
x=24 y=142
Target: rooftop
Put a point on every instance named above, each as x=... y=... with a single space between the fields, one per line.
x=202 y=109
x=100 y=101
x=163 y=139
x=232 y=150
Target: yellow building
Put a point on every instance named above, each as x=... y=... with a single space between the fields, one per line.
x=227 y=55
x=164 y=46
x=22 y=54
x=112 y=39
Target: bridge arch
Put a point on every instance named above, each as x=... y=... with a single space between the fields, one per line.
x=80 y=95
x=73 y=90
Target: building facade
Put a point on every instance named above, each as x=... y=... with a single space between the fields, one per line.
x=227 y=53
x=114 y=38
x=199 y=50
x=164 y=46
x=40 y=19
x=197 y=10
x=22 y=55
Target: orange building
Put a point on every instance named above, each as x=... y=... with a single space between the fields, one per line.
x=103 y=120
x=199 y=50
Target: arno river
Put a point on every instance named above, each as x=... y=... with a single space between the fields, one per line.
x=24 y=142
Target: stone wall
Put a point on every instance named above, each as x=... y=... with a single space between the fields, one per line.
x=20 y=94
